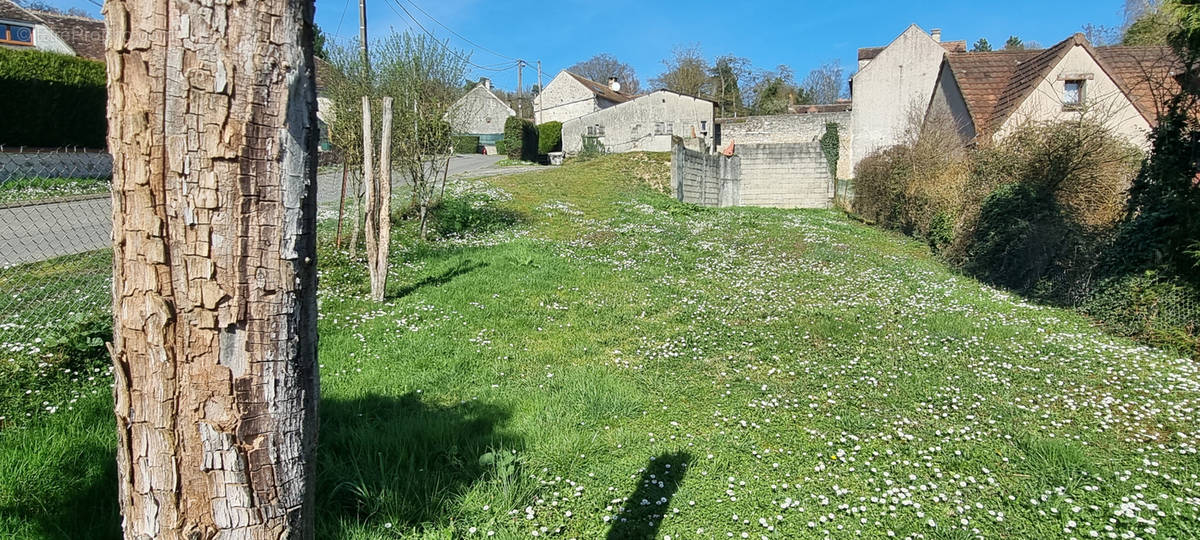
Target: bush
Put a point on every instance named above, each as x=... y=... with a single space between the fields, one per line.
x=830 y=145
x=549 y=137
x=906 y=187
x=502 y=147
x=1157 y=308
x=51 y=100
x=521 y=139
x=471 y=214
x=466 y=144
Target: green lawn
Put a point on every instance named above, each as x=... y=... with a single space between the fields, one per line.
x=38 y=188
x=612 y=362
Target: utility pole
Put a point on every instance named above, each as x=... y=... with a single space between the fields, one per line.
x=520 y=86
x=535 y=112
x=362 y=35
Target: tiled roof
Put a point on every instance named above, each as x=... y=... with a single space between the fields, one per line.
x=994 y=84
x=982 y=78
x=1147 y=74
x=10 y=10
x=602 y=90
x=84 y=35
x=869 y=53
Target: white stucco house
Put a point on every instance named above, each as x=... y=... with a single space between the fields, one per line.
x=22 y=28
x=893 y=85
x=481 y=113
x=644 y=124
x=569 y=96
x=988 y=95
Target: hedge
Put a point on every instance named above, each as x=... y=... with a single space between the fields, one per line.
x=51 y=100
x=466 y=144
x=521 y=137
x=549 y=137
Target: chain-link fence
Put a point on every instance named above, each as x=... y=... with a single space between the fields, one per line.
x=55 y=255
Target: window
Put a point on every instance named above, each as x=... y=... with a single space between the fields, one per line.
x=599 y=130
x=15 y=34
x=670 y=128
x=1072 y=93
x=591 y=131
x=659 y=128
x=704 y=127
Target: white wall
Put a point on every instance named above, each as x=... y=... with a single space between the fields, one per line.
x=631 y=126
x=479 y=112
x=564 y=98
x=890 y=88
x=948 y=103
x=1102 y=98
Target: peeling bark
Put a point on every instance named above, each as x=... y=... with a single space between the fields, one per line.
x=378 y=190
x=213 y=132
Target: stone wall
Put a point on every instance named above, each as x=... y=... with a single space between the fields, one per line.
x=791 y=128
x=779 y=175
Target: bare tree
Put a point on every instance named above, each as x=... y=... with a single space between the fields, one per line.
x=729 y=75
x=824 y=84
x=426 y=78
x=213 y=132
x=686 y=72
x=602 y=66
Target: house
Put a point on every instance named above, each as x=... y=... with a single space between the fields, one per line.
x=892 y=87
x=569 y=96
x=987 y=95
x=481 y=113
x=22 y=28
x=644 y=124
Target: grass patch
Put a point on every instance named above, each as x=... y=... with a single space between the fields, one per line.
x=35 y=189
x=805 y=376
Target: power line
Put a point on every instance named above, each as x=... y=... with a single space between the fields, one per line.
x=460 y=36
x=393 y=4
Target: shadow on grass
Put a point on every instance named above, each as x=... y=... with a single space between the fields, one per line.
x=405 y=461
x=643 y=512
x=464 y=267
x=59 y=487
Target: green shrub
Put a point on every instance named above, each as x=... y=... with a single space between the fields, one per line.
x=549 y=137
x=466 y=144
x=51 y=100
x=830 y=143
x=521 y=139
x=1156 y=308
x=502 y=147
x=471 y=213
x=591 y=148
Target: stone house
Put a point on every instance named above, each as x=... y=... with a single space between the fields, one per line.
x=569 y=96
x=987 y=95
x=644 y=124
x=481 y=113
x=892 y=88
x=22 y=28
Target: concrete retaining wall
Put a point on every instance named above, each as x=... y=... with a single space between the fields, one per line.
x=779 y=175
x=791 y=128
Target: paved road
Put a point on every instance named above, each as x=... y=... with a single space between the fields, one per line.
x=35 y=233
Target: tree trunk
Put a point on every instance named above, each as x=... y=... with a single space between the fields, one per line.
x=371 y=190
x=384 y=204
x=213 y=132
x=379 y=196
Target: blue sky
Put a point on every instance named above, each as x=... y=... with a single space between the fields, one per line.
x=642 y=33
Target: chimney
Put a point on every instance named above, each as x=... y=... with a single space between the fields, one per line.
x=614 y=84
x=936 y=34
x=486 y=82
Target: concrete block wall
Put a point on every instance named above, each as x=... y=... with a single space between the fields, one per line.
x=779 y=175
x=785 y=175
x=791 y=128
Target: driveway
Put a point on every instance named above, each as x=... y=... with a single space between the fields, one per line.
x=43 y=231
